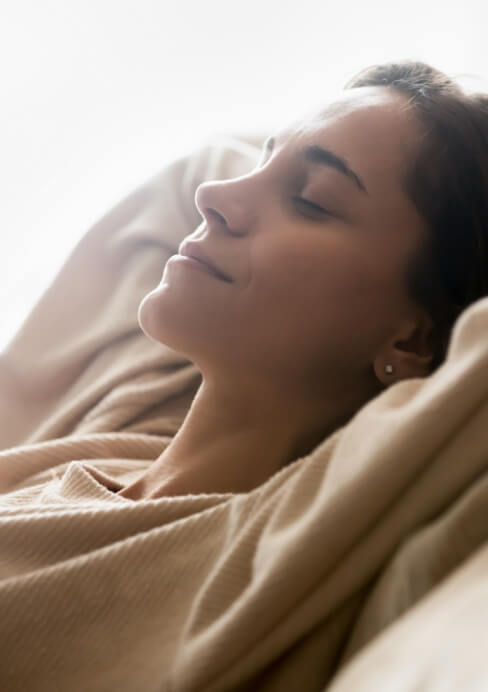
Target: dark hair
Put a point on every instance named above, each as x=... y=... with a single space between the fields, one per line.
x=448 y=183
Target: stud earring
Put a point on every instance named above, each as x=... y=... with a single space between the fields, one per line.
x=389 y=369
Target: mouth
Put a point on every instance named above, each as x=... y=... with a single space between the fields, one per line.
x=195 y=263
x=192 y=250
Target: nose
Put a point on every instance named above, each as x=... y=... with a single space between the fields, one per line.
x=225 y=204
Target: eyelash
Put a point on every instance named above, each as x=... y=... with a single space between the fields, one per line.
x=311 y=205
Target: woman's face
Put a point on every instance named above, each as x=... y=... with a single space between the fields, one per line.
x=316 y=239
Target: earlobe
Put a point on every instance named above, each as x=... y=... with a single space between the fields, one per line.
x=401 y=365
x=386 y=373
x=385 y=370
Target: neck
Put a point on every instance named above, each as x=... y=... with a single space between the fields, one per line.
x=232 y=445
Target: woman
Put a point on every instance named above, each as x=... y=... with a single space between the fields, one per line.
x=345 y=257
x=334 y=278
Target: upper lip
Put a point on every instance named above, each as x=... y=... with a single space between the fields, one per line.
x=195 y=250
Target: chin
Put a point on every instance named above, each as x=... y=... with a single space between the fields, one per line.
x=165 y=323
x=149 y=318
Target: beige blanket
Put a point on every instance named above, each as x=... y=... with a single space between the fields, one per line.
x=280 y=588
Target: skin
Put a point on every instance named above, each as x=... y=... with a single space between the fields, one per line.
x=298 y=341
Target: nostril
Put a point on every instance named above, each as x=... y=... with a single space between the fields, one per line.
x=218 y=216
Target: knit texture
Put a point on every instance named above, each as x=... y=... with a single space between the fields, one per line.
x=280 y=588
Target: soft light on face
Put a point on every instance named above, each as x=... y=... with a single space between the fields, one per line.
x=316 y=238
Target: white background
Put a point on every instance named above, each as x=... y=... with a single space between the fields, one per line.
x=97 y=95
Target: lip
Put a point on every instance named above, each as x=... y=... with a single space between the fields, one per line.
x=195 y=264
x=194 y=251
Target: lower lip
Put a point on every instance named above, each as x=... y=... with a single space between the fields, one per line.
x=195 y=264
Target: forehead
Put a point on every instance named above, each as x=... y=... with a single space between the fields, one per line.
x=372 y=128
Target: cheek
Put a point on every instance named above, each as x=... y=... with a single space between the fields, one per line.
x=340 y=274
x=323 y=298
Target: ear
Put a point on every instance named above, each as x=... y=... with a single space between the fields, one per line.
x=409 y=352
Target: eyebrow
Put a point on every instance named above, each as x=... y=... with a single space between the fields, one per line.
x=325 y=157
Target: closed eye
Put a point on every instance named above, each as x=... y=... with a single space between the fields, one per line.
x=310 y=206
x=305 y=204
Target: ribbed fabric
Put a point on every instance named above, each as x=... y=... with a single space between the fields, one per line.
x=276 y=589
